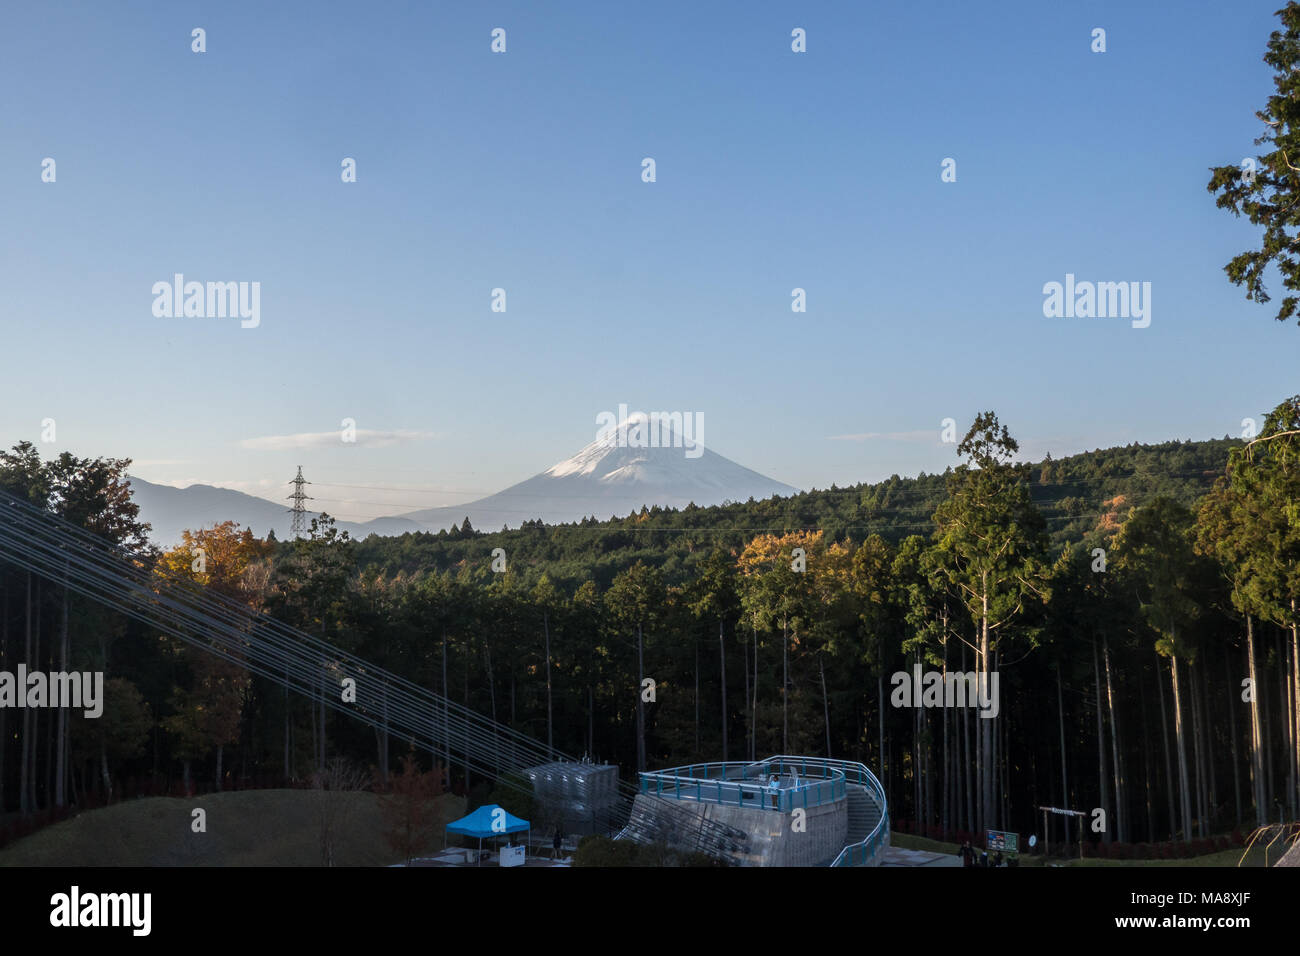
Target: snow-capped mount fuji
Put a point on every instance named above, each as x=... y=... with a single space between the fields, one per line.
x=645 y=461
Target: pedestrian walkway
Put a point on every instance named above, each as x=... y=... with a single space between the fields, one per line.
x=897 y=856
x=457 y=858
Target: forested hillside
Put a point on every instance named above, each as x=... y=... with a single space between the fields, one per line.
x=1120 y=596
x=1077 y=496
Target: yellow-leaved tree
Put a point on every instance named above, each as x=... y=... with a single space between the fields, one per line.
x=777 y=575
x=208 y=701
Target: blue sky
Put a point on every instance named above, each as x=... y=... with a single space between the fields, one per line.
x=522 y=170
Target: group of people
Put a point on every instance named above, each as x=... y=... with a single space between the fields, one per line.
x=968 y=857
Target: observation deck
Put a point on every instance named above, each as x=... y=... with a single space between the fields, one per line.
x=845 y=820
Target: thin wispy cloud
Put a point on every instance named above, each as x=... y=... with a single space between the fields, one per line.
x=924 y=435
x=368 y=438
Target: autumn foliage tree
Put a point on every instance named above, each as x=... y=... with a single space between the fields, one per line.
x=410 y=809
x=776 y=588
x=208 y=703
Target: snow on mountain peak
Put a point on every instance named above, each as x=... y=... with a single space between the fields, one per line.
x=638 y=439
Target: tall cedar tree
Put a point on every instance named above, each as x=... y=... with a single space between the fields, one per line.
x=990 y=538
x=1267 y=190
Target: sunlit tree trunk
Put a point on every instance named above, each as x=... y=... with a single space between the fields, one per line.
x=24 y=801
x=785 y=688
x=1198 y=775
x=446 y=718
x=286 y=726
x=917 y=810
x=1286 y=697
x=33 y=754
x=4 y=665
x=826 y=704
x=1121 y=815
x=1102 y=778
x=1065 y=780
x=744 y=647
x=61 y=730
x=696 y=645
x=1207 y=745
x=943 y=715
x=383 y=738
x=1295 y=704
x=1184 y=794
x=1232 y=736
x=492 y=697
x=999 y=790
x=967 y=761
x=722 y=669
x=550 y=735
x=1256 y=735
x=1146 y=767
x=1164 y=739
x=753 y=723
x=880 y=702
x=986 y=732
x=640 y=701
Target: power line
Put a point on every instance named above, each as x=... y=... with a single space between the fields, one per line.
x=136 y=586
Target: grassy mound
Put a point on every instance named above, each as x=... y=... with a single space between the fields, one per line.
x=244 y=828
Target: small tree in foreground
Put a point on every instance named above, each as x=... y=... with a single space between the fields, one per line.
x=410 y=808
x=336 y=789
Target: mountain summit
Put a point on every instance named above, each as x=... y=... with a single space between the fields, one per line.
x=646 y=460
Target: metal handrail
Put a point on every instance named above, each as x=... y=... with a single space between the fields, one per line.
x=713 y=781
x=823 y=784
x=865 y=849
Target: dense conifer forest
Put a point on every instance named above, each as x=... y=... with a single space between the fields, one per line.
x=1137 y=604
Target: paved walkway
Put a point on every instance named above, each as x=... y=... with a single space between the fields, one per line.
x=456 y=858
x=896 y=856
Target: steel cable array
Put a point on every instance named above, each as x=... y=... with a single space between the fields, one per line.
x=133 y=584
x=54 y=548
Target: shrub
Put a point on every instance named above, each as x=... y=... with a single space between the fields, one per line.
x=599 y=851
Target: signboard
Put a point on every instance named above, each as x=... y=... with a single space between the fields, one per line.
x=512 y=855
x=1004 y=841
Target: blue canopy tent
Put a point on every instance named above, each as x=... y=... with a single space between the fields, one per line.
x=489 y=820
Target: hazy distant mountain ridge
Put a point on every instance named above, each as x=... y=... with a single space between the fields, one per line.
x=615 y=475
x=172 y=510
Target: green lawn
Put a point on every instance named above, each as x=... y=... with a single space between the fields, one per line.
x=244 y=828
x=282 y=828
x=1222 y=858
x=907 y=841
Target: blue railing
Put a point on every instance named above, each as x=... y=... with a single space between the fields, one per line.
x=819 y=780
x=868 y=850
x=738 y=784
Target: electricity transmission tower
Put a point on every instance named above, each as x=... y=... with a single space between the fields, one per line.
x=298 y=525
